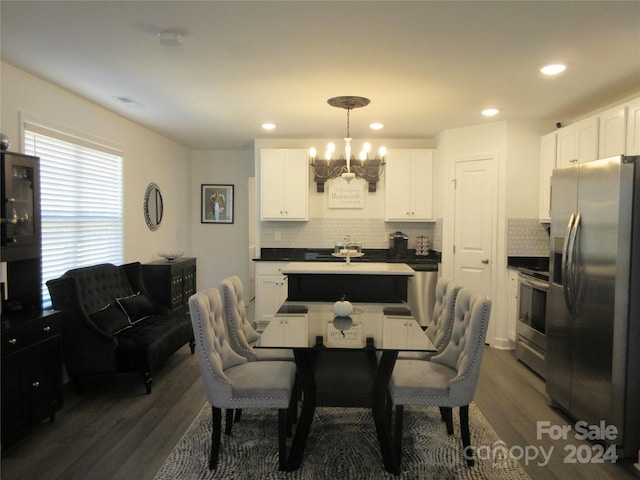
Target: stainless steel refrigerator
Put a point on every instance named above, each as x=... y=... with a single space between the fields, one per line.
x=593 y=303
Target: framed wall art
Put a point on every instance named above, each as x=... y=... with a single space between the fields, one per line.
x=216 y=203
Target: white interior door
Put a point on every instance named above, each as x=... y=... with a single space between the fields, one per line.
x=474 y=224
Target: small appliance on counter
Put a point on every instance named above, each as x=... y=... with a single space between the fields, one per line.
x=398 y=243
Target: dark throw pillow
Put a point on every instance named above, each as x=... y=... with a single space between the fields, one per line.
x=110 y=319
x=136 y=307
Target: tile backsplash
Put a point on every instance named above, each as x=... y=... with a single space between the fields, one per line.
x=324 y=232
x=527 y=237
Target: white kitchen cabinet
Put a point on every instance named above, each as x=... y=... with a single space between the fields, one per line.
x=409 y=185
x=512 y=306
x=401 y=332
x=613 y=131
x=290 y=330
x=633 y=127
x=547 y=164
x=271 y=291
x=284 y=184
x=578 y=142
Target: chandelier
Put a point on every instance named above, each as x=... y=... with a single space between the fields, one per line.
x=348 y=166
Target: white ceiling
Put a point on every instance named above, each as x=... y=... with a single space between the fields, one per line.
x=426 y=66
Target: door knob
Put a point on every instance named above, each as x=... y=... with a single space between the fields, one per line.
x=485 y=260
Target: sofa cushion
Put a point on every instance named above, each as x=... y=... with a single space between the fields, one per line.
x=136 y=307
x=111 y=319
x=150 y=341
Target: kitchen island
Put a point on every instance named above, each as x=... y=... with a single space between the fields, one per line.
x=344 y=268
x=358 y=282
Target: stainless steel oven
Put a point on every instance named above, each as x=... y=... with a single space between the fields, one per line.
x=531 y=341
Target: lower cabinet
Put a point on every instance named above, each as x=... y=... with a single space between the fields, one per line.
x=288 y=330
x=31 y=372
x=512 y=305
x=271 y=291
x=171 y=283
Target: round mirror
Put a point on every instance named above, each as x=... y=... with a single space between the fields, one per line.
x=153 y=206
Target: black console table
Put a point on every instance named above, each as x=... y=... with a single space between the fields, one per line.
x=171 y=283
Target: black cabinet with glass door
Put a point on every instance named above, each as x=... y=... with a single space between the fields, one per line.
x=20 y=206
x=21 y=244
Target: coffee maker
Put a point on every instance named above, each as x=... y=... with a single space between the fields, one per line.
x=398 y=243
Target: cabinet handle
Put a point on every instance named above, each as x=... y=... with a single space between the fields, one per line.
x=35 y=384
x=13 y=341
x=47 y=329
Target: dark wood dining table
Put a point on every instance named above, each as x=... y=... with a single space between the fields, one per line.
x=345 y=362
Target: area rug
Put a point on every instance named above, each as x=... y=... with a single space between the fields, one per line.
x=342 y=444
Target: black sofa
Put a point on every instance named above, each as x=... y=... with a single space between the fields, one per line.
x=111 y=324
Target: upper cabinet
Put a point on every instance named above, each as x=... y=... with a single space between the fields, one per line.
x=613 y=130
x=20 y=207
x=284 y=184
x=633 y=127
x=547 y=164
x=409 y=185
x=578 y=142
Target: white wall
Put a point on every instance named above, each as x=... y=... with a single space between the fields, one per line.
x=222 y=249
x=148 y=157
x=523 y=168
x=515 y=147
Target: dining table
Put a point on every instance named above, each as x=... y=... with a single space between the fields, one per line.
x=345 y=362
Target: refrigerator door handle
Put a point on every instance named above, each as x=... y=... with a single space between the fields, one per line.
x=572 y=253
x=566 y=278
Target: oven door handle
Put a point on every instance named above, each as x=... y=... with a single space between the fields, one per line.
x=534 y=283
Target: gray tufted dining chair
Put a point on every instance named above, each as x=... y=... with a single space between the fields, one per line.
x=230 y=381
x=439 y=330
x=450 y=378
x=242 y=335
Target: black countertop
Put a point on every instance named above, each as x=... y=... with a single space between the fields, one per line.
x=324 y=255
x=539 y=264
x=535 y=266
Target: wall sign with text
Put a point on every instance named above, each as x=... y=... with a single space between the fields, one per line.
x=346 y=195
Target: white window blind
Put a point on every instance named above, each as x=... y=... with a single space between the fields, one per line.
x=81 y=203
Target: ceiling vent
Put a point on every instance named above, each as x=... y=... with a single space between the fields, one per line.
x=130 y=102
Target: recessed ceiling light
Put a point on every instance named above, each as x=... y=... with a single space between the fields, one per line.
x=490 y=112
x=268 y=126
x=553 y=69
x=171 y=38
x=376 y=126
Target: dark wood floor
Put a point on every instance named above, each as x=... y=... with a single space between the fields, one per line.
x=115 y=431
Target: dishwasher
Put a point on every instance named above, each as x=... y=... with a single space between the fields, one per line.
x=421 y=291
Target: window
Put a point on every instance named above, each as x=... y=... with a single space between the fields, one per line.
x=81 y=202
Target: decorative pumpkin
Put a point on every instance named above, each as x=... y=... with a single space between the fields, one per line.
x=342 y=308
